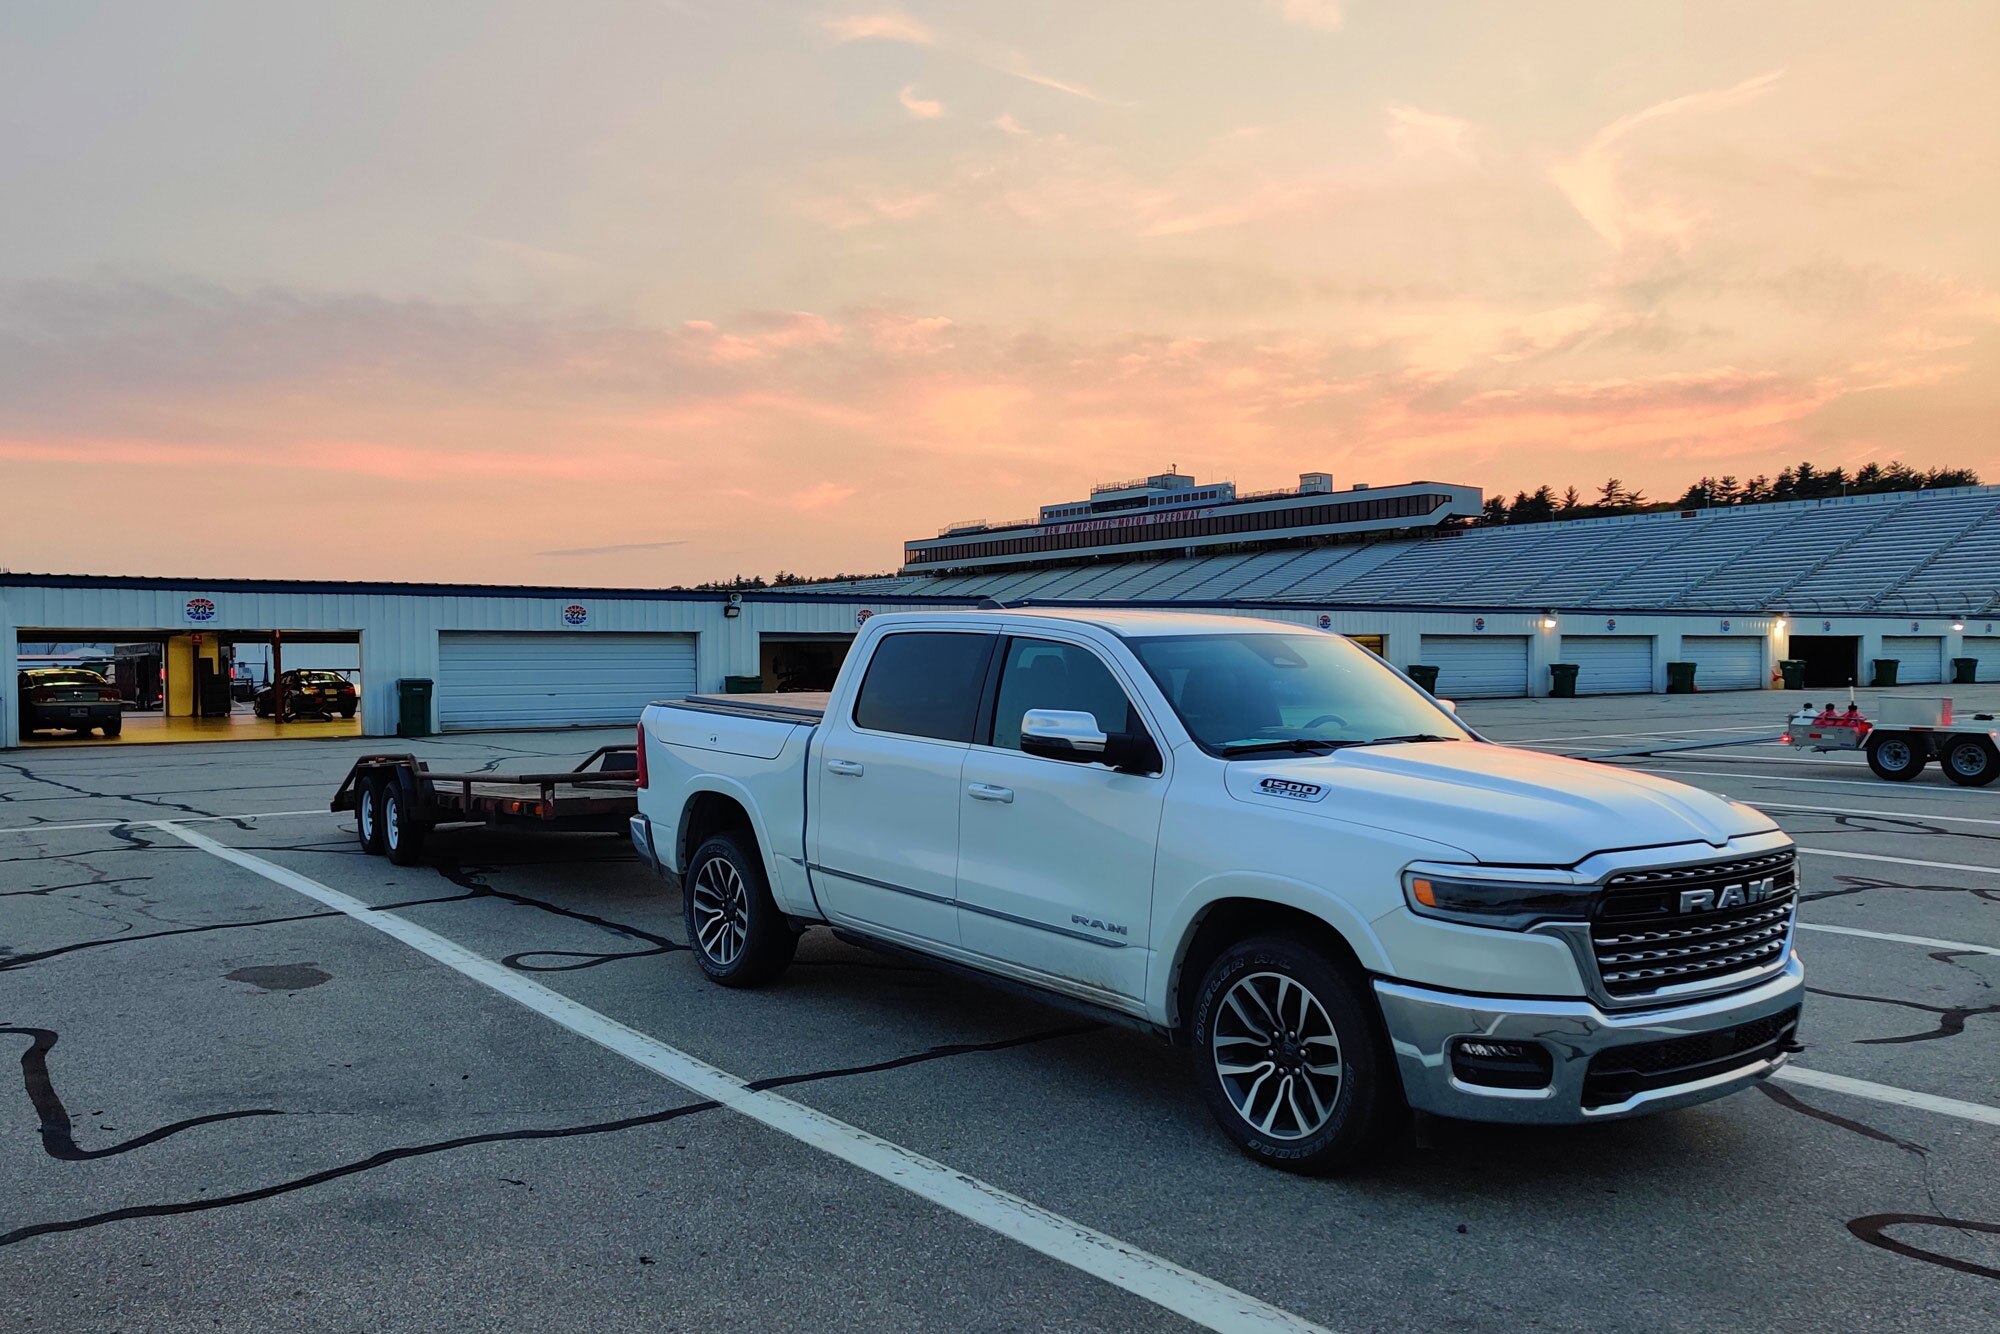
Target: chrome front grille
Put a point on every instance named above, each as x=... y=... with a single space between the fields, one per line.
x=1643 y=942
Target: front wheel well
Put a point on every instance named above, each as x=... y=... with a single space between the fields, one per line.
x=706 y=815
x=1227 y=921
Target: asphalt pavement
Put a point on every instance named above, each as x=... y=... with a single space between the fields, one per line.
x=245 y=1100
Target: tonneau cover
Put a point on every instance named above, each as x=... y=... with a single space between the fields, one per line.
x=803 y=706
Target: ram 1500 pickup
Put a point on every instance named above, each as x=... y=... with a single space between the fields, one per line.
x=1255 y=839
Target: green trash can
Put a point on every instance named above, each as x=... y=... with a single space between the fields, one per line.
x=742 y=685
x=1795 y=672
x=413 y=706
x=1425 y=675
x=1964 y=671
x=1680 y=678
x=1885 y=671
x=1562 y=679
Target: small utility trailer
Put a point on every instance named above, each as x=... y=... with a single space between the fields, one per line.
x=1908 y=735
x=398 y=799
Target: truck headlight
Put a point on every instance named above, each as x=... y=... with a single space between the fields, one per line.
x=1512 y=897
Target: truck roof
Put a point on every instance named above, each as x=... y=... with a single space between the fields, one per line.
x=1129 y=623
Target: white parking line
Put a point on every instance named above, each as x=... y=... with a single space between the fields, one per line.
x=1160 y=1281
x=1903 y=861
x=1894 y=815
x=1621 y=736
x=1669 y=772
x=1956 y=946
x=1863 y=1088
x=179 y=819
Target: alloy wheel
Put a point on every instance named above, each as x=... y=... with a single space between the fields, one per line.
x=1277 y=1056
x=721 y=911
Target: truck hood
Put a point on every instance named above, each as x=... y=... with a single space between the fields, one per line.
x=1501 y=805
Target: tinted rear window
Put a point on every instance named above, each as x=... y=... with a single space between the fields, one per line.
x=924 y=685
x=77 y=678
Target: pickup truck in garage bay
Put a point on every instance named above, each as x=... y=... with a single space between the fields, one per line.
x=1258 y=841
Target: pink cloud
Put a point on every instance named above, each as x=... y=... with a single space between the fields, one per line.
x=921 y=107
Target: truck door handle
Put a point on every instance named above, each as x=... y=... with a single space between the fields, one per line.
x=988 y=792
x=845 y=768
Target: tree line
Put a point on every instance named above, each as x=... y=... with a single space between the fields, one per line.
x=1803 y=482
x=782 y=579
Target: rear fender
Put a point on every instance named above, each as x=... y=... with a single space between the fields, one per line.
x=786 y=876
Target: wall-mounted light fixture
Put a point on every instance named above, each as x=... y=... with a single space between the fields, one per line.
x=1549 y=619
x=1958 y=626
x=734 y=607
x=1778 y=626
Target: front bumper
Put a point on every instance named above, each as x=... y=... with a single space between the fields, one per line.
x=642 y=843
x=1696 y=1037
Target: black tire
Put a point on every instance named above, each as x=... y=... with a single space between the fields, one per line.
x=734 y=928
x=1897 y=757
x=368 y=816
x=403 y=829
x=1342 y=1120
x=261 y=708
x=1970 y=761
x=347 y=711
x=113 y=728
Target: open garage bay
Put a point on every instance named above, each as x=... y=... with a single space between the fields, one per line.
x=261 y=1078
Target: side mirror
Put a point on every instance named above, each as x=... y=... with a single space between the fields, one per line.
x=1448 y=705
x=1060 y=734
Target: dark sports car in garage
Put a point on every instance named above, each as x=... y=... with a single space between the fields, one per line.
x=68 y=699
x=310 y=693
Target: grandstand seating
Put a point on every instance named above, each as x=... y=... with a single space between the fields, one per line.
x=1934 y=552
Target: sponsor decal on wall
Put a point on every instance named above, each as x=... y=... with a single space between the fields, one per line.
x=576 y=614
x=199 y=611
x=1479 y=622
x=1325 y=621
x=861 y=617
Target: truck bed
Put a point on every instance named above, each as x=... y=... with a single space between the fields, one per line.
x=803 y=706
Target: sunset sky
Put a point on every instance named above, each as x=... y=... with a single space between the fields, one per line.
x=639 y=293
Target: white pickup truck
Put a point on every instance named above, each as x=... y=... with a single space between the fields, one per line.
x=1255 y=839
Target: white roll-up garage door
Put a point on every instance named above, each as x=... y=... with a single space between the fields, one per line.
x=1725 y=662
x=1986 y=648
x=1610 y=664
x=556 y=679
x=1919 y=658
x=1478 y=666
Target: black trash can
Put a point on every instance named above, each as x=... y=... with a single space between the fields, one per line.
x=1795 y=672
x=1425 y=675
x=1964 y=671
x=1885 y=671
x=742 y=685
x=1562 y=679
x=413 y=706
x=1680 y=678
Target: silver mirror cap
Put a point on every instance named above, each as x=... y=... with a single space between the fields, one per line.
x=1079 y=730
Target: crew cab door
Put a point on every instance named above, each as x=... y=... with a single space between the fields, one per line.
x=1055 y=857
x=886 y=786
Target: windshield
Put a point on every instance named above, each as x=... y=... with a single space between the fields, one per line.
x=1306 y=692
